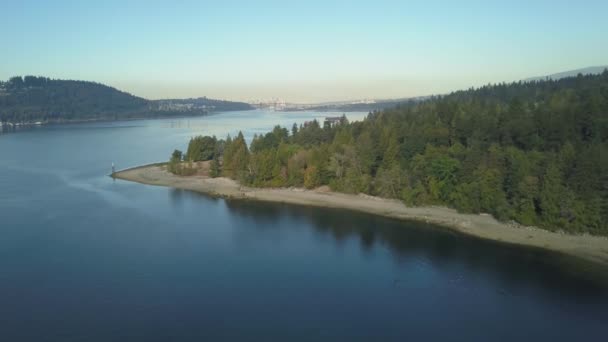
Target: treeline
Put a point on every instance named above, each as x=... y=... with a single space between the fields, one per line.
x=203 y=103
x=31 y=98
x=534 y=152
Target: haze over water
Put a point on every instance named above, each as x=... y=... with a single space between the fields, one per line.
x=83 y=257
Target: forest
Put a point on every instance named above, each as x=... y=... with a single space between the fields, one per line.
x=530 y=152
x=31 y=98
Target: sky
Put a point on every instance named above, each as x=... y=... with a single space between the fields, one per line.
x=304 y=51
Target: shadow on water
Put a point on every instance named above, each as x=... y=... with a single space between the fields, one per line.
x=513 y=266
x=179 y=197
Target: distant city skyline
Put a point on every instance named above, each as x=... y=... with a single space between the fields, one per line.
x=315 y=51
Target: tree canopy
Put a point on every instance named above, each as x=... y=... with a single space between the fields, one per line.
x=533 y=152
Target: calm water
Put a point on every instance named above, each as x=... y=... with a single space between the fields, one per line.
x=85 y=258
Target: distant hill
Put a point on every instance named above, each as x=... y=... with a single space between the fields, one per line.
x=355 y=106
x=32 y=99
x=595 y=70
x=391 y=103
x=198 y=104
x=375 y=105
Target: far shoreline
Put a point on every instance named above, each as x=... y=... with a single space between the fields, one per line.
x=586 y=247
x=47 y=123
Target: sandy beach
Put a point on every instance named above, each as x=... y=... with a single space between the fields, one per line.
x=590 y=248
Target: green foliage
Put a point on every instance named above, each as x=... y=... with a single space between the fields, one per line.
x=270 y=140
x=214 y=168
x=174 y=162
x=177 y=167
x=236 y=158
x=437 y=172
x=312 y=177
x=390 y=182
x=531 y=152
x=201 y=148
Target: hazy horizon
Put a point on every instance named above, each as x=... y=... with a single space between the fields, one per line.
x=311 y=52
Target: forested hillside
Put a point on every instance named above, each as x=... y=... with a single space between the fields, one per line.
x=201 y=104
x=531 y=152
x=30 y=99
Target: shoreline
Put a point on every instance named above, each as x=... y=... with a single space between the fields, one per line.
x=102 y=120
x=484 y=226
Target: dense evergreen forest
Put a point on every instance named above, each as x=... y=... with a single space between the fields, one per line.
x=532 y=152
x=31 y=98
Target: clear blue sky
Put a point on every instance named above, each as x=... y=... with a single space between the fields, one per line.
x=305 y=51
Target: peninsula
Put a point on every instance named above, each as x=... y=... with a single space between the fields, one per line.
x=504 y=157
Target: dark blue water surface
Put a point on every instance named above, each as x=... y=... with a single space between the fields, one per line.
x=86 y=258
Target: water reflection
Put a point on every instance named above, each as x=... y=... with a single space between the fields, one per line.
x=414 y=243
x=178 y=196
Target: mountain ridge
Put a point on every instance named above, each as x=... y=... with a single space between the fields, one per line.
x=592 y=70
x=40 y=99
